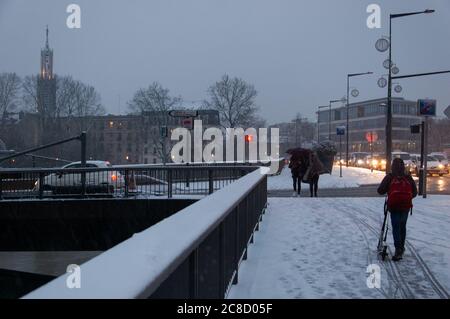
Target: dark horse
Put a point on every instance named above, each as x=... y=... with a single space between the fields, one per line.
x=301 y=164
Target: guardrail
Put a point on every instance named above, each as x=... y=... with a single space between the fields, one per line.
x=193 y=254
x=118 y=181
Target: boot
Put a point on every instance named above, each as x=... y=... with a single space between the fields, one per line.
x=398 y=255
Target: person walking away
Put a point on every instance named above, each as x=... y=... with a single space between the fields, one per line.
x=401 y=189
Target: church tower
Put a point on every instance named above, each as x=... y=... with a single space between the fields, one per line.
x=46 y=83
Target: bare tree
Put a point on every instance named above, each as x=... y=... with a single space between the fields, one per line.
x=30 y=99
x=9 y=95
x=234 y=99
x=155 y=103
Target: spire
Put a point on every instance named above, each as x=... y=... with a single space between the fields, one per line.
x=46 y=41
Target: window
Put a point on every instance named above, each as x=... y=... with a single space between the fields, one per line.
x=361 y=111
x=337 y=115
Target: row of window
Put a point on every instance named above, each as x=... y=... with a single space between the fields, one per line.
x=367 y=111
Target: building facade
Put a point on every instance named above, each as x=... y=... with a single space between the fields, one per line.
x=367 y=125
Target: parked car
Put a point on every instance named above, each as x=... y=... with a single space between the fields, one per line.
x=435 y=167
x=442 y=158
x=70 y=182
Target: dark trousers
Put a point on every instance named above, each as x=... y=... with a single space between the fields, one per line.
x=398 y=220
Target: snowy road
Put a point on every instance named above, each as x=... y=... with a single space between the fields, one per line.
x=320 y=248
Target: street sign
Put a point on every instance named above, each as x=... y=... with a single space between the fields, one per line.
x=447 y=112
x=340 y=130
x=371 y=137
x=183 y=113
x=426 y=107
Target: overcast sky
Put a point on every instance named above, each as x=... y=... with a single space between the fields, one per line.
x=297 y=53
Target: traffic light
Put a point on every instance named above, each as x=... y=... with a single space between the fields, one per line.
x=248 y=138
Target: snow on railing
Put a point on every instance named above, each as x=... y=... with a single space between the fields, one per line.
x=142 y=265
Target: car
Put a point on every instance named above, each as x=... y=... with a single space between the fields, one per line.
x=410 y=166
x=375 y=162
x=442 y=158
x=70 y=182
x=357 y=159
x=435 y=167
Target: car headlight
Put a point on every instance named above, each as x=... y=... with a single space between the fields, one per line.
x=441 y=166
x=383 y=162
x=374 y=162
x=360 y=162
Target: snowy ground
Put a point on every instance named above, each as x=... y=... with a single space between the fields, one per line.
x=320 y=248
x=351 y=177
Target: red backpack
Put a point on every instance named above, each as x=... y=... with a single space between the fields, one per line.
x=400 y=194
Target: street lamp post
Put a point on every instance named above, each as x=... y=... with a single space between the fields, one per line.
x=389 y=97
x=348 y=106
x=329 y=115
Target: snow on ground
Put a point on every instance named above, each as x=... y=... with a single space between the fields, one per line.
x=320 y=248
x=351 y=177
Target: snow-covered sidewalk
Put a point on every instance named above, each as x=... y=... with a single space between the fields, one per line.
x=321 y=248
x=351 y=177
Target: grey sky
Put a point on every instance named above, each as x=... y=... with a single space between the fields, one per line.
x=296 y=52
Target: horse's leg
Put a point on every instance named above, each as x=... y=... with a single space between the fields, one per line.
x=316 y=185
x=299 y=184
x=311 y=185
x=294 y=183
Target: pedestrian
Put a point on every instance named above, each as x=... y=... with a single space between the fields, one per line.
x=401 y=189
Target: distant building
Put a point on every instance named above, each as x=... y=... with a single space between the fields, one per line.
x=369 y=117
x=298 y=133
x=127 y=139
x=46 y=86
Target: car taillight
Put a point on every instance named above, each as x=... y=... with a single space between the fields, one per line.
x=114 y=177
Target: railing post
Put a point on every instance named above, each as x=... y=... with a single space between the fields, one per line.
x=41 y=185
x=236 y=248
x=127 y=182
x=83 y=163
x=188 y=175
x=193 y=274
x=169 y=183
x=245 y=235
x=210 y=181
x=1 y=187
x=221 y=294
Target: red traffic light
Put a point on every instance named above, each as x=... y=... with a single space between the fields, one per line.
x=248 y=138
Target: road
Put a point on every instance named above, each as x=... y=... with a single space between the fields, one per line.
x=436 y=186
